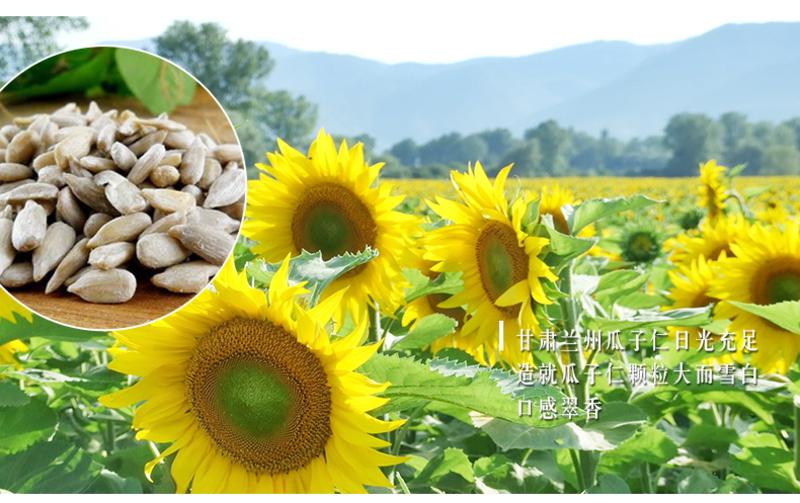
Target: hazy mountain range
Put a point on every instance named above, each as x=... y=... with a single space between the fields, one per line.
x=629 y=89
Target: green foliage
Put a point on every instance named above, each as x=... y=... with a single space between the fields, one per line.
x=595 y=209
x=618 y=422
x=310 y=268
x=415 y=383
x=548 y=149
x=784 y=314
x=160 y=86
x=23 y=425
x=693 y=138
x=227 y=68
x=428 y=329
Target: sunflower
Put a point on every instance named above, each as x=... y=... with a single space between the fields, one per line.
x=765 y=270
x=690 y=287
x=772 y=213
x=427 y=305
x=713 y=240
x=502 y=270
x=640 y=243
x=552 y=202
x=8 y=309
x=329 y=202
x=253 y=395
x=712 y=190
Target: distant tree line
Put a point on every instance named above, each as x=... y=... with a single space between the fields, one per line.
x=550 y=149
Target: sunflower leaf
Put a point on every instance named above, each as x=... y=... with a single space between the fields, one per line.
x=428 y=329
x=624 y=318
x=487 y=393
x=617 y=422
x=649 y=445
x=593 y=210
x=765 y=462
x=421 y=285
x=784 y=314
x=449 y=461
x=310 y=267
x=566 y=247
x=160 y=85
x=11 y=395
x=25 y=425
x=40 y=327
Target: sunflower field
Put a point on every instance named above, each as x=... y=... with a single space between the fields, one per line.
x=476 y=335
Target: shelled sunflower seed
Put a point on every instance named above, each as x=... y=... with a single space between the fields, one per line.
x=93 y=203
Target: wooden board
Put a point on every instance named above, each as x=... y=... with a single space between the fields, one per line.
x=149 y=303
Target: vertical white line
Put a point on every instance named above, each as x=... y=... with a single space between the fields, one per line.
x=501 y=335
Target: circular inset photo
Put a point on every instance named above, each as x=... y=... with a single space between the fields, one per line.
x=122 y=187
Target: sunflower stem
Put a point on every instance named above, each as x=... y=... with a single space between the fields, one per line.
x=576 y=465
x=587 y=459
x=647 y=482
x=797 y=437
x=374 y=323
x=403 y=485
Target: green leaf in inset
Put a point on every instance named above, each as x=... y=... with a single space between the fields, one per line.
x=784 y=314
x=593 y=210
x=77 y=71
x=158 y=84
x=25 y=425
x=427 y=330
x=11 y=395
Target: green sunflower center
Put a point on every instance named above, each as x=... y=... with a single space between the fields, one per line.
x=783 y=286
x=641 y=246
x=502 y=262
x=261 y=396
x=776 y=280
x=254 y=398
x=331 y=219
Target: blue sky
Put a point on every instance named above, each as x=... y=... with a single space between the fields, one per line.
x=431 y=31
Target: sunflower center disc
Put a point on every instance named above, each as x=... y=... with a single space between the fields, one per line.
x=262 y=397
x=502 y=262
x=780 y=282
x=253 y=398
x=332 y=220
x=642 y=247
